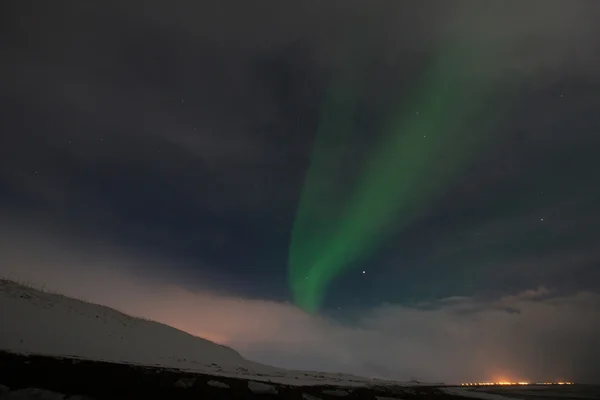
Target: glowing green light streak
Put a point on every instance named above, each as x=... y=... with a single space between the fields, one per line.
x=422 y=149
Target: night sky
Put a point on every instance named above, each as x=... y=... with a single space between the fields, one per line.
x=245 y=171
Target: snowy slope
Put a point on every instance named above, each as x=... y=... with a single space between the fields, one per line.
x=38 y=322
x=33 y=321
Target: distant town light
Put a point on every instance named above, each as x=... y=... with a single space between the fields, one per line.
x=507 y=383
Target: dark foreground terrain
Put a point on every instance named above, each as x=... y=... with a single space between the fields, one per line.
x=24 y=377
x=40 y=377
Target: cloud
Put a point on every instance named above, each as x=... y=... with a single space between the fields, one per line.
x=535 y=334
x=247 y=75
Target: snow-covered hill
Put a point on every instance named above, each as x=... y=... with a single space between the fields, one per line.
x=39 y=322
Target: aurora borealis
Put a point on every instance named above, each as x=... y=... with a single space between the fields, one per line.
x=424 y=145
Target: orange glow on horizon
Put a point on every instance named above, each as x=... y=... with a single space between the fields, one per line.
x=511 y=383
x=215 y=338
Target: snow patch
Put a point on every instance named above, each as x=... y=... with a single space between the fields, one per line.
x=261 y=388
x=185 y=383
x=218 y=384
x=307 y=396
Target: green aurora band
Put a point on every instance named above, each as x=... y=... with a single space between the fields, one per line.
x=424 y=145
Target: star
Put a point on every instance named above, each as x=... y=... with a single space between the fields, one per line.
x=364 y=272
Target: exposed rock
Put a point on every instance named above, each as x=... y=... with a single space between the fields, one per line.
x=218 y=384
x=185 y=383
x=261 y=388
